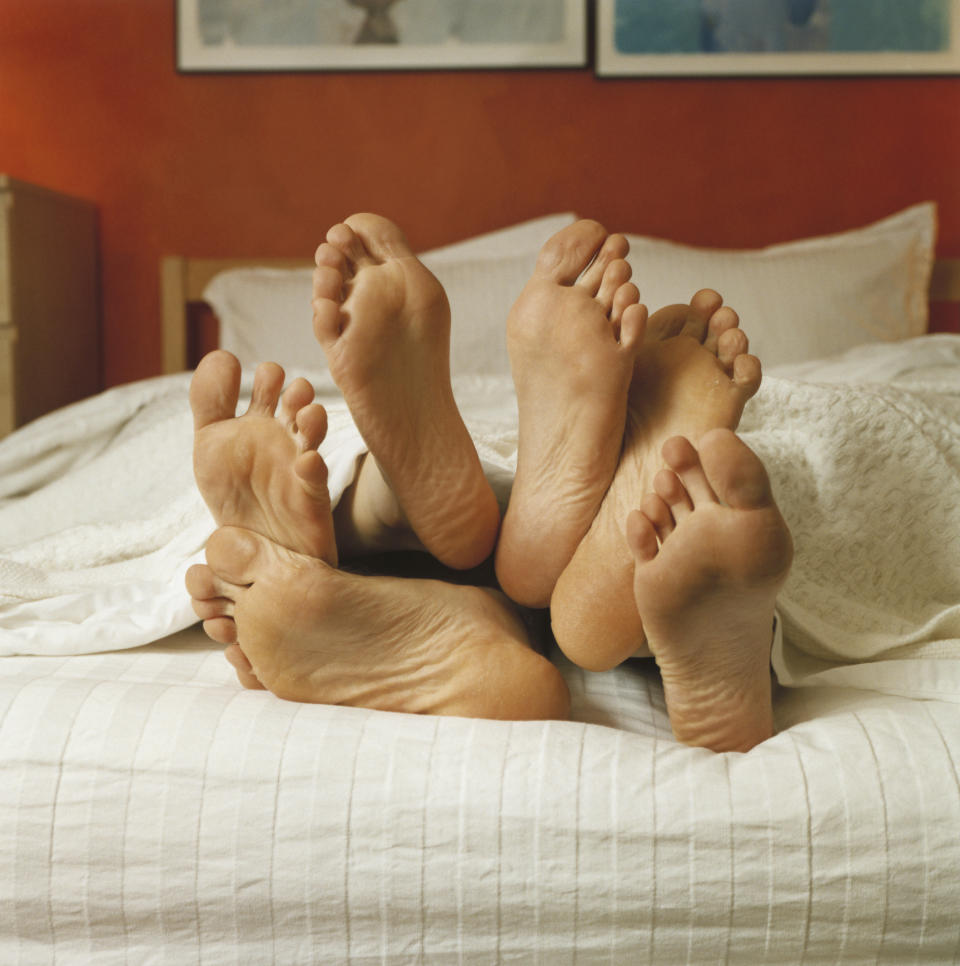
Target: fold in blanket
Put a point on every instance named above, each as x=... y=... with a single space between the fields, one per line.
x=100 y=516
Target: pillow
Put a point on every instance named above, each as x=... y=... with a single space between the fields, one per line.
x=798 y=301
x=810 y=298
x=265 y=313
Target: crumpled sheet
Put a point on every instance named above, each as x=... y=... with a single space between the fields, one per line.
x=100 y=517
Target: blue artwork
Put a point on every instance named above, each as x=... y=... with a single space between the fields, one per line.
x=758 y=26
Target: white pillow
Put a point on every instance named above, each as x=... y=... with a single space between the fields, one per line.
x=798 y=301
x=810 y=298
x=265 y=313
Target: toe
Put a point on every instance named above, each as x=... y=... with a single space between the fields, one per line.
x=243 y=667
x=658 y=513
x=568 y=253
x=706 y=302
x=232 y=554
x=296 y=397
x=633 y=327
x=215 y=388
x=311 y=425
x=628 y=294
x=213 y=608
x=348 y=243
x=720 y=322
x=327 y=321
x=684 y=460
x=612 y=251
x=312 y=472
x=329 y=256
x=223 y=630
x=327 y=284
x=617 y=274
x=641 y=537
x=267 y=384
x=747 y=374
x=670 y=491
x=379 y=237
x=730 y=344
x=735 y=472
x=202 y=583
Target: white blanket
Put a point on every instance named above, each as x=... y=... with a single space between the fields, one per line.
x=100 y=517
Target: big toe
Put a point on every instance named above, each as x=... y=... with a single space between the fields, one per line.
x=380 y=236
x=215 y=388
x=734 y=471
x=570 y=251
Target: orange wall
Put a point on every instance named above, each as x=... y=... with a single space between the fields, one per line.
x=247 y=164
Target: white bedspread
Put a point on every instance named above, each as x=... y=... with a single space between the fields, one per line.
x=101 y=516
x=152 y=811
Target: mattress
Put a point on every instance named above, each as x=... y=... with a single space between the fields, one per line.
x=153 y=811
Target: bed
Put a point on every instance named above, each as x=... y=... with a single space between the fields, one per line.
x=153 y=811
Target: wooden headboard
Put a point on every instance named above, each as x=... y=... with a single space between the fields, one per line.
x=189 y=327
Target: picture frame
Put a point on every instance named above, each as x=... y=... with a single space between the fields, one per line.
x=635 y=38
x=363 y=35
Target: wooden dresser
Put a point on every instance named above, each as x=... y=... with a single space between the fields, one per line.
x=49 y=302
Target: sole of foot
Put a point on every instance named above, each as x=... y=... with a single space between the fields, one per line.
x=679 y=388
x=711 y=552
x=573 y=336
x=384 y=323
x=262 y=470
x=311 y=633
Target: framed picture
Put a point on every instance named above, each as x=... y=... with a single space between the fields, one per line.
x=687 y=37
x=298 y=35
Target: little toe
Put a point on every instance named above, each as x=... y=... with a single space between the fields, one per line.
x=565 y=256
x=616 y=275
x=297 y=396
x=223 y=630
x=215 y=388
x=735 y=472
x=684 y=460
x=267 y=384
x=641 y=537
x=612 y=251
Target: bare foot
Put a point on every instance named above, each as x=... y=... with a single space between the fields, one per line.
x=312 y=633
x=712 y=551
x=573 y=335
x=262 y=471
x=384 y=323
x=679 y=388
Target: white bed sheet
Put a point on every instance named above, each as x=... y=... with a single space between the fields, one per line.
x=150 y=811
